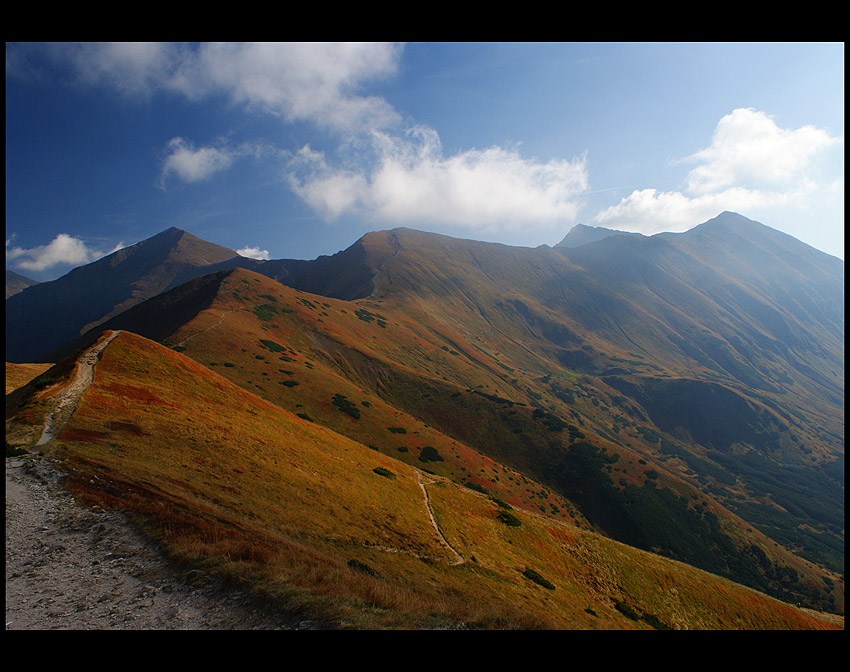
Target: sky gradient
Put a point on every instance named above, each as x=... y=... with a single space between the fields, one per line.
x=293 y=151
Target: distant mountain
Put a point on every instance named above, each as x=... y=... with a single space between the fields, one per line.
x=684 y=392
x=16 y=282
x=52 y=313
x=582 y=234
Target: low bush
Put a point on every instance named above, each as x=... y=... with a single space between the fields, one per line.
x=508 y=519
x=535 y=576
x=386 y=473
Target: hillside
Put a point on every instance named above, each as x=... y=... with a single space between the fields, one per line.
x=50 y=314
x=383 y=379
x=225 y=479
x=15 y=283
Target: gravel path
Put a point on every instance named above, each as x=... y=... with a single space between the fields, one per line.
x=69 y=396
x=72 y=568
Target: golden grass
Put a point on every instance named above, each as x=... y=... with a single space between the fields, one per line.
x=226 y=479
x=18 y=375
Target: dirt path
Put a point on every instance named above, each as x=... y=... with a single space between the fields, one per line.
x=458 y=557
x=203 y=331
x=72 y=568
x=69 y=396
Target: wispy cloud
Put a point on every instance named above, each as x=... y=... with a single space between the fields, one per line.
x=314 y=82
x=751 y=165
x=62 y=250
x=412 y=181
x=194 y=165
x=253 y=253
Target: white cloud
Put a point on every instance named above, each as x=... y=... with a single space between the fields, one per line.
x=63 y=249
x=194 y=165
x=253 y=253
x=751 y=166
x=412 y=182
x=315 y=82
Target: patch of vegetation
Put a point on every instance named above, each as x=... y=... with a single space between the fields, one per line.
x=497 y=399
x=590 y=611
x=369 y=316
x=271 y=345
x=286 y=358
x=386 y=473
x=397 y=430
x=430 y=454
x=288 y=383
x=535 y=576
x=304 y=416
x=501 y=503
x=402 y=449
x=472 y=485
x=366 y=404
x=551 y=421
x=229 y=365
x=265 y=311
x=508 y=519
x=626 y=610
x=652 y=474
x=43 y=381
x=346 y=406
x=179 y=348
x=362 y=567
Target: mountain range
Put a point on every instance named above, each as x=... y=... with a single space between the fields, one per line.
x=679 y=393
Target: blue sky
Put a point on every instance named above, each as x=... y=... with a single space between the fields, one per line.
x=292 y=151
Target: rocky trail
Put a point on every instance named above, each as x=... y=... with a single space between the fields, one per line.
x=73 y=568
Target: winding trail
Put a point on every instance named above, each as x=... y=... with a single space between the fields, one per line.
x=459 y=560
x=203 y=331
x=69 y=396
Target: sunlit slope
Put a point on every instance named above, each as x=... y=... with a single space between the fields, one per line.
x=376 y=377
x=228 y=480
x=327 y=360
x=18 y=375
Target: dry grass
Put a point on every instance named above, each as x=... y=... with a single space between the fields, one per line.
x=226 y=479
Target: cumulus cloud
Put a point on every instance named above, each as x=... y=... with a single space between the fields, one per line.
x=751 y=165
x=253 y=253
x=63 y=249
x=194 y=165
x=315 y=82
x=413 y=182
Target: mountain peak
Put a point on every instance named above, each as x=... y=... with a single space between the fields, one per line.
x=582 y=234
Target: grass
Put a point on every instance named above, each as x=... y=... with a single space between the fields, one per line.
x=251 y=503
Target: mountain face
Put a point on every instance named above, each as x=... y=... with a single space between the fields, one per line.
x=681 y=393
x=224 y=478
x=17 y=283
x=582 y=234
x=53 y=313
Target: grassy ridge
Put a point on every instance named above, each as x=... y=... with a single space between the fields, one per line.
x=228 y=480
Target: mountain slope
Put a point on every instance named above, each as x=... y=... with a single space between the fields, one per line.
x=53 y=313
x=15 y=283
x=223 y=478
x=385 y=379
x=582 y=234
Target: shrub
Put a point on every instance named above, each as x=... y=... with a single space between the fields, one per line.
x=475 y=486
x=430 y=454
x=501 y=504
x=626 y=610
x=535 y=576
x=397 y=430
x=265 y=311
x=179 y=348
x=402 y=449
x=358 y=566
x=508 y=519
x=304 y=416
x=271 y=345
x=386 y=473
x=229 y=365
x=346 y=406
x=288 y=383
